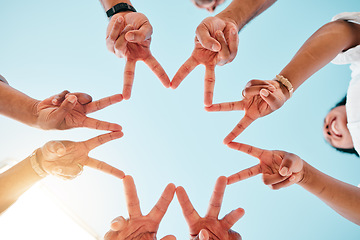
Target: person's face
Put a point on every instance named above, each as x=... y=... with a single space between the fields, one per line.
x=335 y=128
x=209 y=5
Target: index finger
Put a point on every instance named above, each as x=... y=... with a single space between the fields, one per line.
x=103 y=103
x=253 y=151
x=183 y=71
x=217 y=197
x=227 y=106
x=209 y=84
x=99 y=140
x=100 y=125
x=159 y=210
x=244 y=174
x=239 y=128
x=132 y=200
x=129 y=73
x=104 y=167
x=155 y=66
x=190 y=214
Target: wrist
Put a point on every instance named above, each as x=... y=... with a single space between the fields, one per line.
x=34 y=112
x=36 y=164
x=306 y=176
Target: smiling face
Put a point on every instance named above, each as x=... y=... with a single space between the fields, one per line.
x=335 y=128
x=209 y=5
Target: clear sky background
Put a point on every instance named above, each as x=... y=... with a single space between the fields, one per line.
x=47 y=47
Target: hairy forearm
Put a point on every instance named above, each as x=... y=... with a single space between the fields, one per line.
x=342 y=197
x=17 y=105
x=323 y=46
x=107 y=4
x=243 y=11
x=16 y=181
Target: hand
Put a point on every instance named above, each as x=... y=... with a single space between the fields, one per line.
x=139 y=226
x=260 y=99
x=65 y=159
x=216 y=43
x=279 y=169
x=68 y=110
x=209 y=6
x=129 y=37
x=210 y=227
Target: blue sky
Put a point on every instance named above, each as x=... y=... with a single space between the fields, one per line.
x=46 y=47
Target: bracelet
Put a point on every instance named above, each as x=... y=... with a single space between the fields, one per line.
x=284 y=81
x=36 y=166
x=120 y=7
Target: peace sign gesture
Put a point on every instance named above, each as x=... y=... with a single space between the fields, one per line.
x=260 y=99
x=65 y=159
x=216 y=43
x=129 y=37
x=210 y=227
x=279 y=169
x=139 y=226
x=68 y=110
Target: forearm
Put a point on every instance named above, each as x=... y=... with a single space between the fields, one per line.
x=323 y=46
x=16 y=181
x=243 y=11
x=342 y=197
x=107 y=4
x=16 y=105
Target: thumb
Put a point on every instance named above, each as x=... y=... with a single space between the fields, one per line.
x=270 y=98
x=140 y=35
x=290 y=164
x=169 y=237
x=203 y=235
x=52 y=150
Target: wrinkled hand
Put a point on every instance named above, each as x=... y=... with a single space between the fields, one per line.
x=68 y=110
x=129 y=37
x=65 y=159
x=216 y=43
x=260 y=99
x=210 y=227
x=139 y=226
x=279 y=169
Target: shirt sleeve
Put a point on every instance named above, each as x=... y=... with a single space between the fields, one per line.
x=2 y=79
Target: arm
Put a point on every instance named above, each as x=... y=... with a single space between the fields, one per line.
x=242 y=12
x=340 y=196
x=16 y=181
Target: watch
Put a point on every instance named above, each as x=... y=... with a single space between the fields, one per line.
x=120 y=7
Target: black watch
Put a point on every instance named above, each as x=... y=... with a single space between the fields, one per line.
x=120 y=7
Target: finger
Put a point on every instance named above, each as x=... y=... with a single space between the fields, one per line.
x=155 y=66
x=132 y=200
x=121 y=44
x=239 y=128
x=286 y=183
x=99 y=140
x=253 y=151
x=118 y=224
x=244 y=174
x=255 y=90
x=142 y=34
x=271 y=99
x=224 y=53
x=129 y=73
x=183 y=71
x=231 y=218
x=66 y=172
x=115 y=31
x=169 y=237
x=82 y=98
x=232 y=38
x=104 y=167
x=205 y=39
x=203 y=235
x=217 y=197
x=103 y=103
x=290 y=164
x=270 y=179
x=159 y=210
x=59 y=98
x=101 y=125
x=66 y=106
x=190 y=214
x=228 y=106
x=209 y=85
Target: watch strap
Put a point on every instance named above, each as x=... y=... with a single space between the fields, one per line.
x=120 y=7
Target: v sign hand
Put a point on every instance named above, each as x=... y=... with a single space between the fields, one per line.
x=279 y=169
x=129 y=37
x=65 y=159
x=216 y=43
x=260 y=99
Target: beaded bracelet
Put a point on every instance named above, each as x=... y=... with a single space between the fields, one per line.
x=284 y=81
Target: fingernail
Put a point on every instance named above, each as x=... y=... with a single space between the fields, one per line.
x=272 y=88
x=119 y=20
x=130 y=37
x=201 y=235
x=264 y=92
x=72 y=99
x=233 y=32
x=283 y=171
x=54 y=101
x=215 y=48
